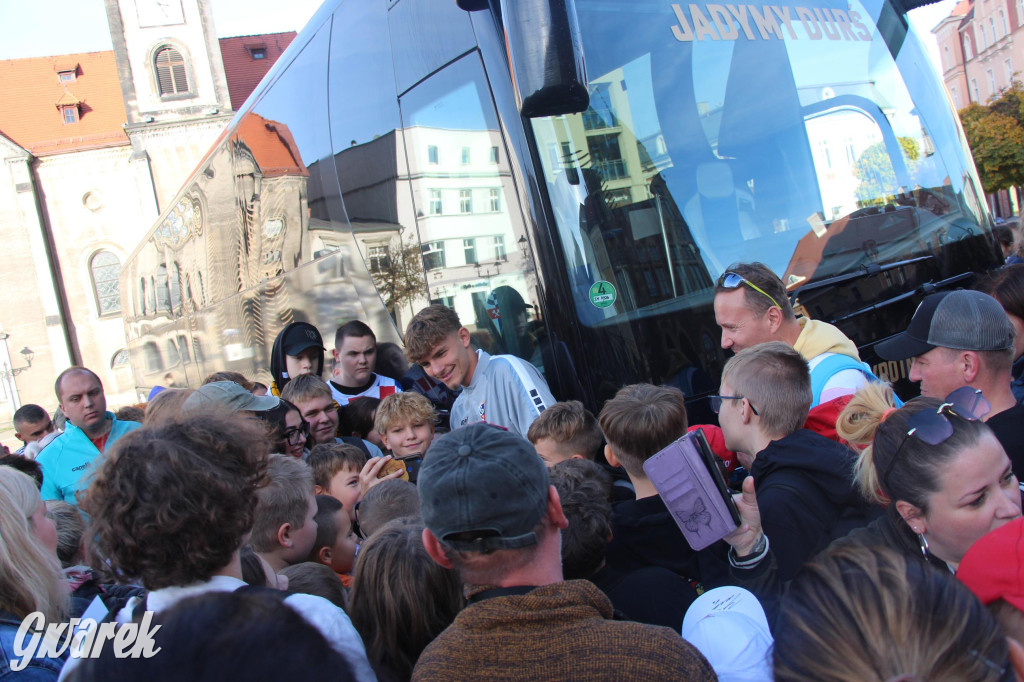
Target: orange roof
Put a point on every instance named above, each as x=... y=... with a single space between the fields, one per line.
x=28 y=115
x=962 y=8
x=243 y=72
x=272 y=146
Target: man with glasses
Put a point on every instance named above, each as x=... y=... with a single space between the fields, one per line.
x=964 y=338
x=804 y=481
x=752 y=307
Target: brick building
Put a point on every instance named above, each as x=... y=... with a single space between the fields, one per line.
x=95 y=146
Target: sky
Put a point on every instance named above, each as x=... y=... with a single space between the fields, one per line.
x=27 y=28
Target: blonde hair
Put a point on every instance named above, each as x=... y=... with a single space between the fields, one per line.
x=403 y=408
x=284 y=500
x=893 y=466
x=30 y=575
x=306 y=387
x=776 y=381
x=869 y=614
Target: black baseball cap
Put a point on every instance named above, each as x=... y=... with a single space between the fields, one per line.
x=300 y=337
x=962 y=319
x=484 y=482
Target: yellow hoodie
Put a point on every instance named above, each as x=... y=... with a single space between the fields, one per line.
x=817 y=337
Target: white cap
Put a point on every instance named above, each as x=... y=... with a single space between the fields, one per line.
x=728 y=626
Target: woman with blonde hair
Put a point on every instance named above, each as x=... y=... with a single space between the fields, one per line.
x=31 y=580
x=871 y=614
x=937 y=468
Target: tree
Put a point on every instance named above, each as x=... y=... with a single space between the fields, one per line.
x=875 y=171
x=996 y=138
x=397 y=270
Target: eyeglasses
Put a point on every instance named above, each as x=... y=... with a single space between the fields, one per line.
x=716 y=402
x=296 y=436
x=934 y=427
x=732 y=281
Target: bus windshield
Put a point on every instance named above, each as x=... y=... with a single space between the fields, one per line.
x=802 y=136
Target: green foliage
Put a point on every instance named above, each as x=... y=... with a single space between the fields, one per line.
x=877 y=177
x=995 y=134
x=397 y=271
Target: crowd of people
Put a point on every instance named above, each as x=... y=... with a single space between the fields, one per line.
x=436 y=514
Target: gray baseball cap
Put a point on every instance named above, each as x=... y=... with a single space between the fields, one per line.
x=484 y=482
x=231 y=395
x=962 y=319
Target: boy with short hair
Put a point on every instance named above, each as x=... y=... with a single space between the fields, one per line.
x=566 y=430
x=386 y=502
x=504 y=390
x=355 y=359
x=405 y=423
x=284 y=529
x=804 y=480
x=312 y=396
x=335 y=545
x=336 y=470
x=640 y=421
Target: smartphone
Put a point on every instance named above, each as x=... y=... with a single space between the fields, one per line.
x=689 y=482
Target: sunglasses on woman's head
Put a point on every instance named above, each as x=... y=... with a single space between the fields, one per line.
x=933 y=426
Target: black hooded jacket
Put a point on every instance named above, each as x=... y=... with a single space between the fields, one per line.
x=805 y=485
x=278 y=366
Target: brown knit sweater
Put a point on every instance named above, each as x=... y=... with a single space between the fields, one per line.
x=562 y=631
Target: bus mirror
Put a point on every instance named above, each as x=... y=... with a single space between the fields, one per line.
x=546 y=56
x=471 y=5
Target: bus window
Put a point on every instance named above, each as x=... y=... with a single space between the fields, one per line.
x=370 y=161
x=473 y=242
x=700 y=150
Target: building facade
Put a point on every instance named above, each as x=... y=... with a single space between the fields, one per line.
x=981 y=47
x=95 y=145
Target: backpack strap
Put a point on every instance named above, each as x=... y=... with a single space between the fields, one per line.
x=832 y=365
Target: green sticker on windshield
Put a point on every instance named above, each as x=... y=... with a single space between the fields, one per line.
x=602 y=294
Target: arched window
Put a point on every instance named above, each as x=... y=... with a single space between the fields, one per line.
x=171 y=74
x=106 y=271
x=968 y=52
x=121 y=359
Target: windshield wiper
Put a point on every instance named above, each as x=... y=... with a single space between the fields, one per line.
x=924 y=290
x=860 y=273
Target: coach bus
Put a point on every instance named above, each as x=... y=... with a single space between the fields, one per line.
x=570 y=177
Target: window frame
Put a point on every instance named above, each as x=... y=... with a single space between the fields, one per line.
x=98 y=298
x=186 y=72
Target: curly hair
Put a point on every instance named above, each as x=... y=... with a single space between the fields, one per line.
x=399 y=409
x=170 y=504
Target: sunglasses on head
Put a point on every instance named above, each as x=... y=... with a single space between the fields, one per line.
x=733 y=281
x=933 y=426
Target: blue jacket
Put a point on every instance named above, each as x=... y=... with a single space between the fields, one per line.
x=70 y=459
x=38 y=669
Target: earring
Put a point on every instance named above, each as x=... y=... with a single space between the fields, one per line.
x=922 y=541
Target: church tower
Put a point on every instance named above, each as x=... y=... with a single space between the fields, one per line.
x=168 y=59
x=174 y=88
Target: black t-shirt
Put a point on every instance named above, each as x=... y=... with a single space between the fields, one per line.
x=1008 y=426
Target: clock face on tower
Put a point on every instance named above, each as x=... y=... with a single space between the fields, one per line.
x=159 y=12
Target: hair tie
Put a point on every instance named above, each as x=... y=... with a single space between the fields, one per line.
x=888 y=411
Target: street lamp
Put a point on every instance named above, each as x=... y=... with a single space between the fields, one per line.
x=7 y=373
